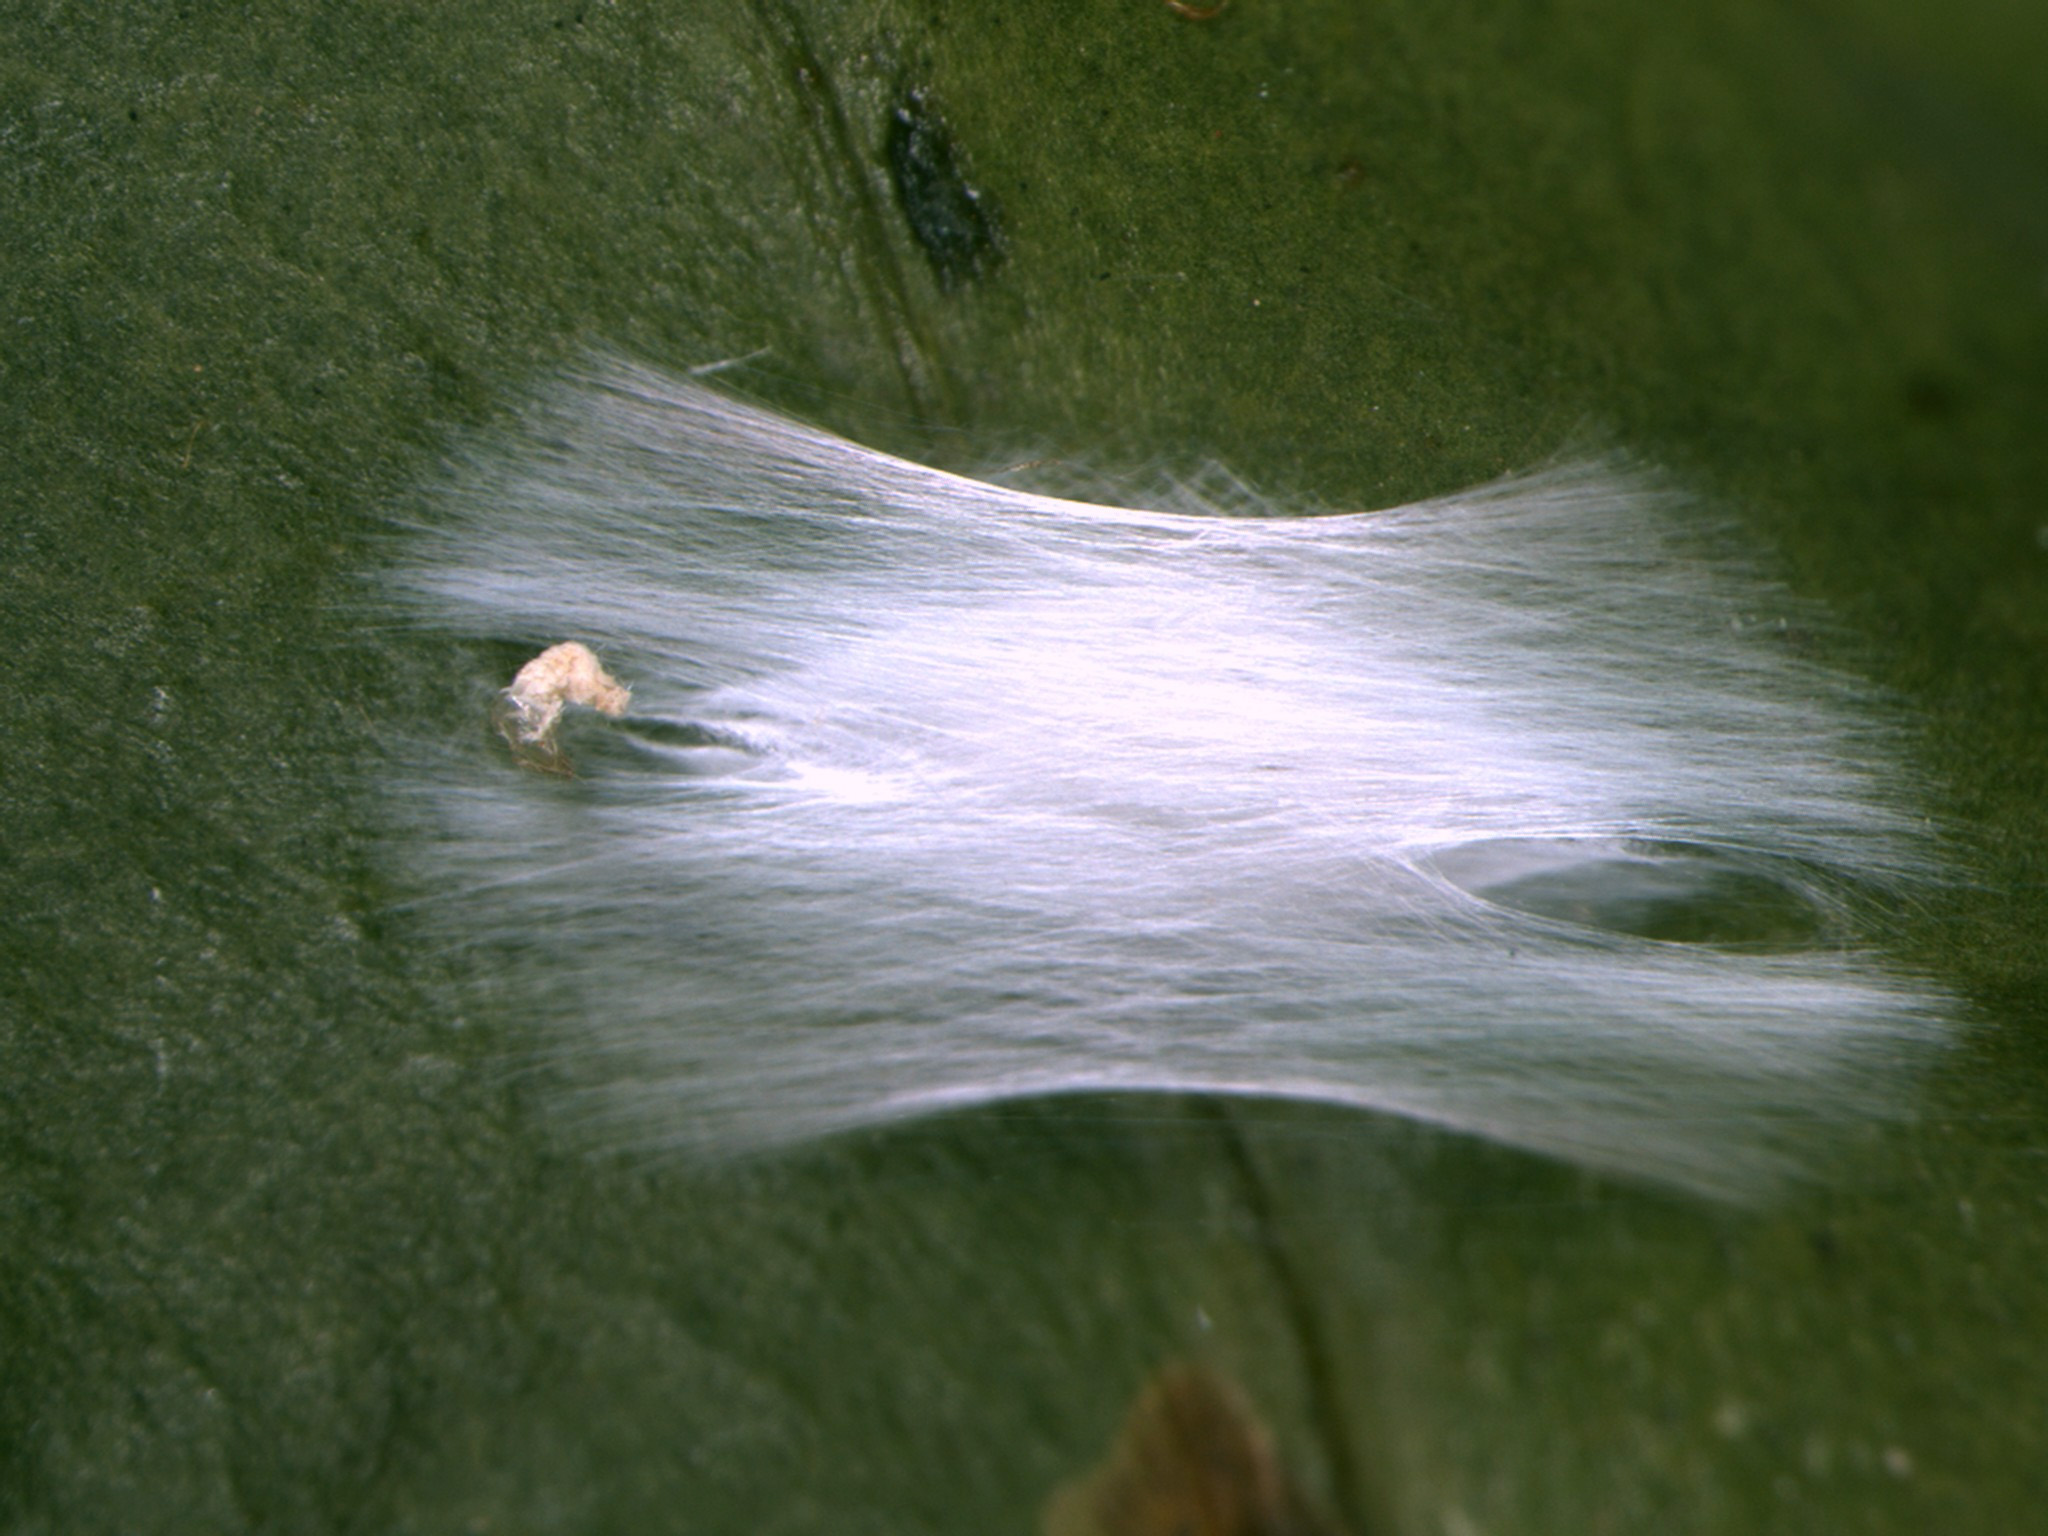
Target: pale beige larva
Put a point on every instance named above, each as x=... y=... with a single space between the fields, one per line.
x=564 y=674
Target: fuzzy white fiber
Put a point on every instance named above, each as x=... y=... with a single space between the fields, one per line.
x=1517 y=811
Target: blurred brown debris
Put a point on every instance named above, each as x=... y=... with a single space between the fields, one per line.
x=1190 y=1460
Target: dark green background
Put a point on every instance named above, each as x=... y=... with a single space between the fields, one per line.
x=289 y=1240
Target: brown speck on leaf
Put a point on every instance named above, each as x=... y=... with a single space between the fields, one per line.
x=1190 y=1460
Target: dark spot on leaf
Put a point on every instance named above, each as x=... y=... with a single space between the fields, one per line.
x=1930 y=396
x=950 y=219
